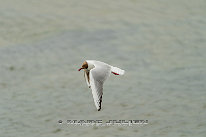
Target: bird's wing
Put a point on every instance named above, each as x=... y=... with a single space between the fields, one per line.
x=97 y=89
x=97 y=77
x=86 y=76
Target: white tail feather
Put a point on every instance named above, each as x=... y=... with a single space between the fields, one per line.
x=117 y=70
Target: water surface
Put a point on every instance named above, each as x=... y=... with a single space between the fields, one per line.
x=161 y=45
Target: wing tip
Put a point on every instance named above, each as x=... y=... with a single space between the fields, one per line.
x=100 y=104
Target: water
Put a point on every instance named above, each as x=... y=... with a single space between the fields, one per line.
x=161 y=45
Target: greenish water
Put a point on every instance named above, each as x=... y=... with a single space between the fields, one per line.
x=161 y=45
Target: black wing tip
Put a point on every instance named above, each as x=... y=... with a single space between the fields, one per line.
x=100 y=105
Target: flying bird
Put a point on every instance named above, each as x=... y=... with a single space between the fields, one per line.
x=95 y=73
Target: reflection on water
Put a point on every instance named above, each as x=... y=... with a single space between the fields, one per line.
x=160 y=44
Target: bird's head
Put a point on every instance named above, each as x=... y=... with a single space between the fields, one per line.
x=84 y=66
x=87 y=65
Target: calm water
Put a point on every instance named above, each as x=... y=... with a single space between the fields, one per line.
x=161 y=45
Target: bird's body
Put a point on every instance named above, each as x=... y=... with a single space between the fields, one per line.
x=95 y=73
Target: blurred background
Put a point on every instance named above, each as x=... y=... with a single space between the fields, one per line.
x=160 y=44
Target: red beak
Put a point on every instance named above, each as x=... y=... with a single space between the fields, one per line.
x=80 y=69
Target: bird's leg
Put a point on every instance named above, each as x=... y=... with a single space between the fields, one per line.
x=115 y=73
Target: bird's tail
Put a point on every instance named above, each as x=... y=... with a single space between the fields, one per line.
x=117 y=71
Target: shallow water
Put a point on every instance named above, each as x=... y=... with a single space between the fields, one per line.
x=161 y=45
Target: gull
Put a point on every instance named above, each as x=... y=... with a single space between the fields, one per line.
x=95 y=73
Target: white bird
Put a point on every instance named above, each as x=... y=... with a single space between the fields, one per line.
x=95 y=73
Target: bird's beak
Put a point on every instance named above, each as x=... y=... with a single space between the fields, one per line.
x=80 y=69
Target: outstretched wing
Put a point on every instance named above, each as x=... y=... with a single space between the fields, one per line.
x=97 y=89
x=97 y=77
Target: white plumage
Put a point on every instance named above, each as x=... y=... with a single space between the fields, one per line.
x=95 y=73
x=117 y=70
